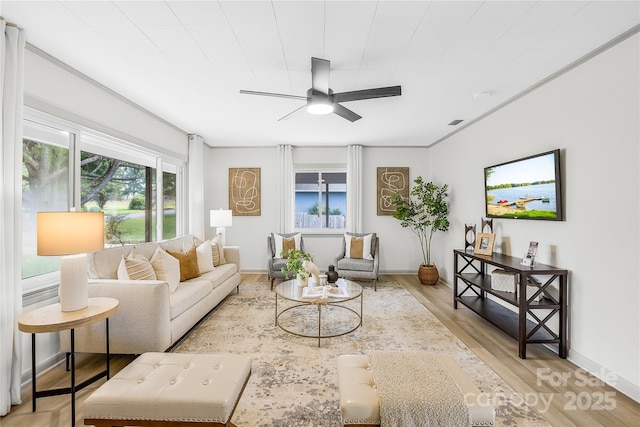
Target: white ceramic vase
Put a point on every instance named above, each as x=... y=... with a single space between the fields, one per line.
x=301 y=280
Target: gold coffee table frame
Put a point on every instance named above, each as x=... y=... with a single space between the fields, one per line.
x=290 y=291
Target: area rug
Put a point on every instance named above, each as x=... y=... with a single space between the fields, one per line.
x=294 y=382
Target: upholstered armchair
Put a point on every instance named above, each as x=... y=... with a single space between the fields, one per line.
x=274 y=261
x=358 y=258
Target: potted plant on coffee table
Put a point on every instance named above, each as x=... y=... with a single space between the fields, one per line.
x=424 y=213
x=294 y=266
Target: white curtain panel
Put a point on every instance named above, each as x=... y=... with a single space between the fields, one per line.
x=196 y=186
x=11 y=85
x=354 y=188
x=285 y=188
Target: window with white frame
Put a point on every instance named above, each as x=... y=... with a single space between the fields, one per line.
x=320 y=200
x=46 y=186
x=67 y=165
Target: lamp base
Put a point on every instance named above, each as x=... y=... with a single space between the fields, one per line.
x=74 y=289
x=221 y=231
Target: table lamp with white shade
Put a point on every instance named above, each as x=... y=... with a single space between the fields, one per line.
x=220 y=218
x=71 y=234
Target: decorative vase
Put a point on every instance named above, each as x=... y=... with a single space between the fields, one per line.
x=428 y=274
x=301 y=280
x=332 y=274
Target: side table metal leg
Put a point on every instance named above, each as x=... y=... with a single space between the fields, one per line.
x=73 y=378
x=33 y=372
x=108 y=354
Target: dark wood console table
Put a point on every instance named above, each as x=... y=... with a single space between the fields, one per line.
x=472 y=283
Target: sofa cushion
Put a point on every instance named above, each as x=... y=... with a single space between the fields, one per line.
x=355 y=264
x=178 y=244
x=167 y=268
x=219 y=274
x=187 y=295
x=278 y=263
x=188 y=263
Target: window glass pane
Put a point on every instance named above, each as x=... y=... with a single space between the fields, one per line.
x=45 y=187
x=320 y=200
x=119 y=189
x=169 y=209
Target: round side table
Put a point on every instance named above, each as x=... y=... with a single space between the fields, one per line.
x=52 y=319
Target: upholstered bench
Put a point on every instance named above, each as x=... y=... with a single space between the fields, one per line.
x=171 y=389
x=360 y=405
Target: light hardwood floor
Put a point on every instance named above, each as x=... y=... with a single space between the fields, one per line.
x=580 y=400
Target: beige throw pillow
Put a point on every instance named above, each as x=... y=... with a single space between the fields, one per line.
x=355 y=249
x=284 y=244
x=358 y=247
x=217 y=251
x=167 y=268
x=288 y=244
x=135 y=267
x=188 y=263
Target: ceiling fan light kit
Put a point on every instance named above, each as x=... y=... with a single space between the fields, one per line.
x=319 y=103
x=321 y=99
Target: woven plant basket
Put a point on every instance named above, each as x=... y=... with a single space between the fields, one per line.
x=428 y=275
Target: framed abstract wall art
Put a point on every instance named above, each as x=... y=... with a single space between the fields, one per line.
x=391 y=181
x=244 y=191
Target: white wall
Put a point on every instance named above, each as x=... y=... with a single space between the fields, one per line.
x=250 y=233
x=52 y=87
x=591 y=113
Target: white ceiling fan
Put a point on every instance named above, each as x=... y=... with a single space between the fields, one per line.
x=320 y=98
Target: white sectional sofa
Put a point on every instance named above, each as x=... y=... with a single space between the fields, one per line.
x=150 y=317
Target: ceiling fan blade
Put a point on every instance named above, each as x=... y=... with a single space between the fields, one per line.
x=320 y=75
x=278 y=95
x=345 y=113
x=357 y=95
x=291 y=113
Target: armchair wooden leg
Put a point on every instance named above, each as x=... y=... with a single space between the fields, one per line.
x=272 y=279
x=375 y=285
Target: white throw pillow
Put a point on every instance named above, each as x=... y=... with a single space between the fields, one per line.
x=205 y=257
x=277 y=238
x=167 y=268
x=366 y=247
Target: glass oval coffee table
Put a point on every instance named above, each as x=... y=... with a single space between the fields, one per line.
x=304 y=298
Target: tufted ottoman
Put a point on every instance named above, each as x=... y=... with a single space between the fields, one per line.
x=359 y=403
x=171 y=389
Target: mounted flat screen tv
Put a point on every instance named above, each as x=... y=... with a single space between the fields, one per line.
x=527 y=188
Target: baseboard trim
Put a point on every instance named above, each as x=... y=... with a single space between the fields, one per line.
x=619 y=383
x=42 y=367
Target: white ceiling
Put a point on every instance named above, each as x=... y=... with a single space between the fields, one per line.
x=186 y=61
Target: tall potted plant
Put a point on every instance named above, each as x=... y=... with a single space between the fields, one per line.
x=424 y=213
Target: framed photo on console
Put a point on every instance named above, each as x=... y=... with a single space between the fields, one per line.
x=530 y=256
x=484 y=243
